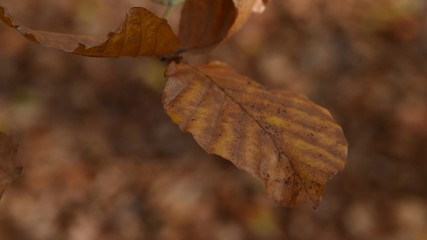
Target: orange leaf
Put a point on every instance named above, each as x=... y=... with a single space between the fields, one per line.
x=141 y=34
x=207 y=23
x=293 y=145
x=9 y=170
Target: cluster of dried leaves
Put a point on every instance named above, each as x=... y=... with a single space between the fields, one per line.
x=293 y=145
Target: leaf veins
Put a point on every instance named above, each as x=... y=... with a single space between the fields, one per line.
x=293 y=145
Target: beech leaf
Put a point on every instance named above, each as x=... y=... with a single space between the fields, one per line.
x=9 y=170
x=141 y=34
x=291 y=144
x=207 y=23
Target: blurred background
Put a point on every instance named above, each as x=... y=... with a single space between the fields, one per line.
x=103 y=161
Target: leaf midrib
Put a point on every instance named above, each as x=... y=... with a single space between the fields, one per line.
x=279 y=153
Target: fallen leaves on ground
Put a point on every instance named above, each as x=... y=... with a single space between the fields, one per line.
x=291 y=144
x=9 y=170
x=141 y=34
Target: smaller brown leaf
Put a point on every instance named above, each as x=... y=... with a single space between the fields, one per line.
x=293 y=145
x=205 y=24
x=9 y=170
x=141 y=34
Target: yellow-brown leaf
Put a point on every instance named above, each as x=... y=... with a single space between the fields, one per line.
x=293 y=145
x=9 y=170
x=141 y=34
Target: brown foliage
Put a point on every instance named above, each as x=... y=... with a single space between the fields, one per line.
x=142 y=34
x=288 y=142
x=203 y=26
x=103 y=161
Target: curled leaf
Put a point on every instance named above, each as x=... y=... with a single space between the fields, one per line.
x=293 y=145
x=9 y=170
x=207 y=23
x=141 y=34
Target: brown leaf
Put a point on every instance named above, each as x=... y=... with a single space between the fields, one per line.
x=291 y=144
x=9 y=170
x=141 y=34
x=207 y=23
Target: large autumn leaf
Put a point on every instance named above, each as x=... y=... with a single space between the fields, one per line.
x=9 y=170
x=293 y=145
x=207 y=23
x=141 y=34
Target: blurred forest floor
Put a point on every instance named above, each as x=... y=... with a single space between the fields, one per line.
x=103 y=161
